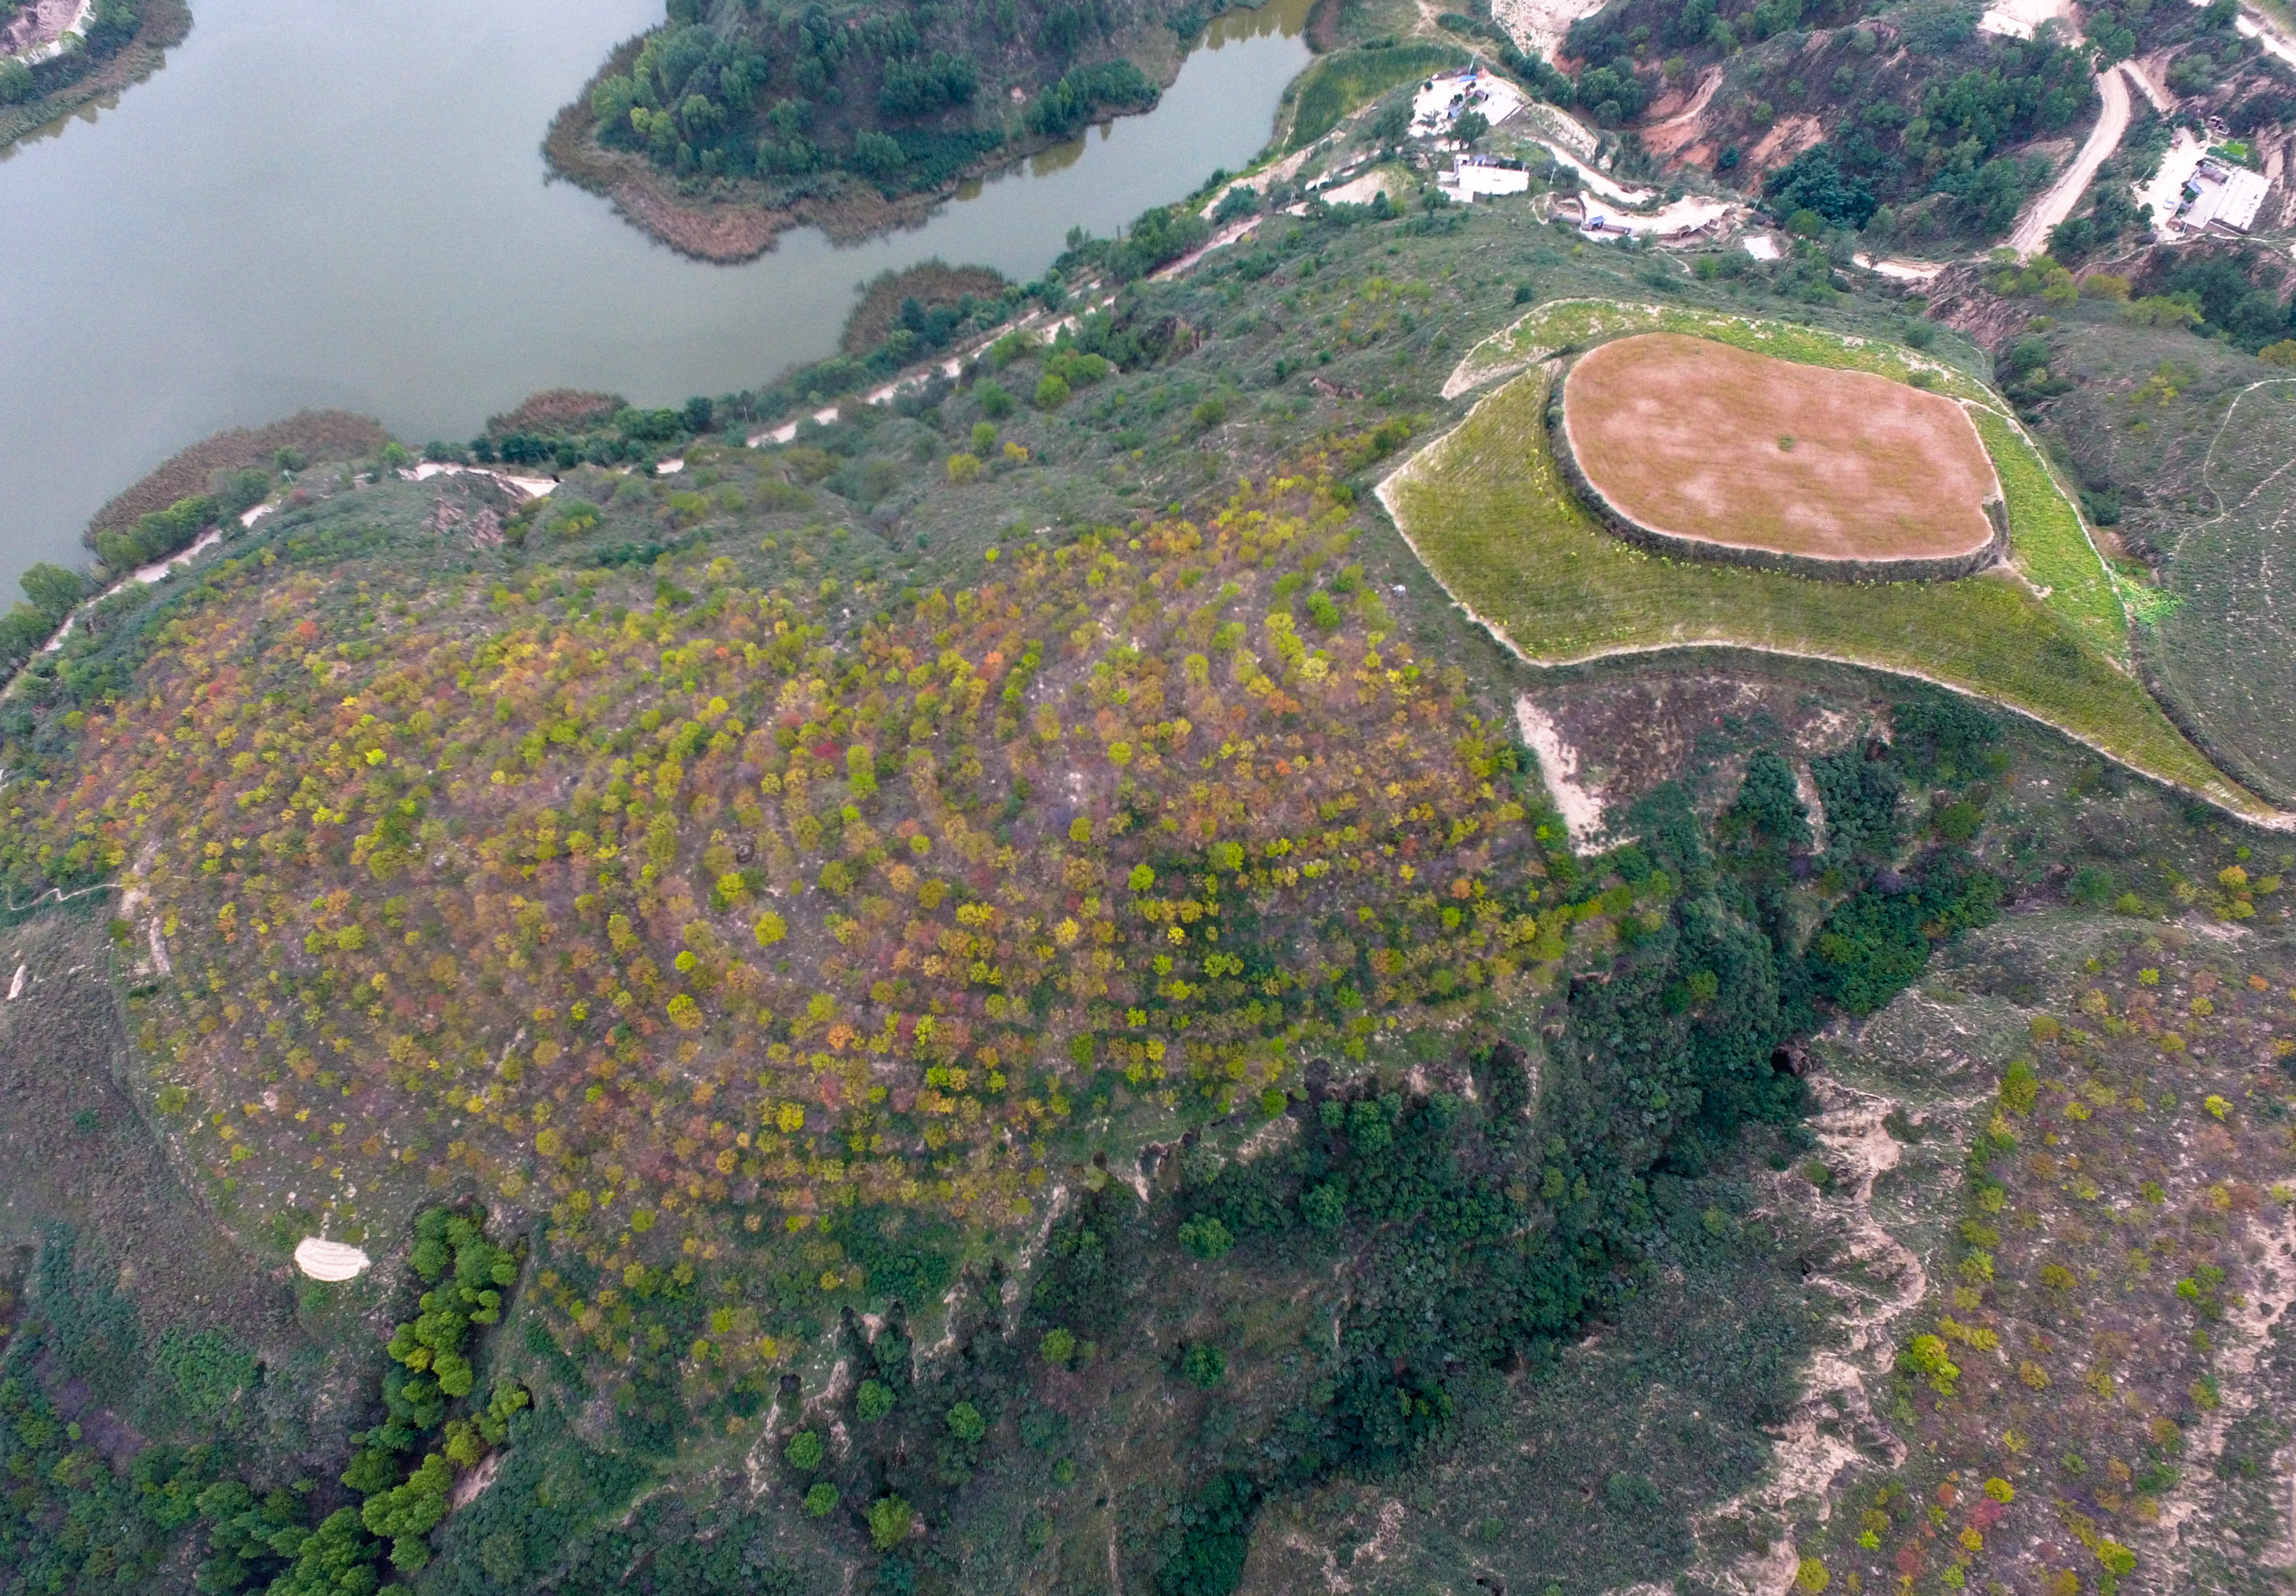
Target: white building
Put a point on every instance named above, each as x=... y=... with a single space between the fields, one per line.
x=1443 y=101
x=2222 y=195
x=1483 y=176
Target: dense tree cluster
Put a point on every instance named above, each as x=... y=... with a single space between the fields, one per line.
x=895 y=96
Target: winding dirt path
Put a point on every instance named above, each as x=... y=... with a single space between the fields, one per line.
x=2033 y=228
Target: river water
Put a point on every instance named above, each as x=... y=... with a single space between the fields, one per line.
x=342 y=203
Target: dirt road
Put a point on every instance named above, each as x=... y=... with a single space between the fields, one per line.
x=2033 y=228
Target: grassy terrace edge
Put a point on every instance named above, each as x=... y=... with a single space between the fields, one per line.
x=1487 y=511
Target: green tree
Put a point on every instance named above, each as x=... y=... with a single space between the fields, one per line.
x=890 y=1519
x=965 y=1422
x=1205 y=1237
x=54 y=592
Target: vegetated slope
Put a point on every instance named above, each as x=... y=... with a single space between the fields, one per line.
x=1906 y=122
x=2092 y=1391
x=2178 y=444
x=2225 y=648
x=1489 y=510
x=973 y=1431
x=478 y=1027
x=639 y=887
x=833 y=113
x=122 y=1241
x=125 y=41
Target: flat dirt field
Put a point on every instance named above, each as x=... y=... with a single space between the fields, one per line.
x=1703 y=441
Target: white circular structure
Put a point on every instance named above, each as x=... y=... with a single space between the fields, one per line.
x=324 y=1260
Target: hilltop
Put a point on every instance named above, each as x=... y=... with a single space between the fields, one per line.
x=1004 y=989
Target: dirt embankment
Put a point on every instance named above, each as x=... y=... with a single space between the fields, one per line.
x=1959 y=298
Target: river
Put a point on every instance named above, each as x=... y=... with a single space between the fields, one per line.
x=326 y=202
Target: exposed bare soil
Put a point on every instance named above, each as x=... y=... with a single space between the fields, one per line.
x=1704 y=441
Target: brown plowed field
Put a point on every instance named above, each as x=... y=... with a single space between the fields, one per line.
x=1703 y=441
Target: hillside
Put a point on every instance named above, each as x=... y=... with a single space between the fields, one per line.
x=999 y=991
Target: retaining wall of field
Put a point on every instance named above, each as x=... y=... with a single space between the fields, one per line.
x=1945 y=568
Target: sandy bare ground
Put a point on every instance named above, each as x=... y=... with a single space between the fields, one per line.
x=2031 y=234
x=2142 y=77
x=1788 y=137
x=1539 y=25
x=1558 y=764
x=1702 y=441
x=1678 y=131
x=1897 y=269
x=2022 y=19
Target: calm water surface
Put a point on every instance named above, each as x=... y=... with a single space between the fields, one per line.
x=318 y=203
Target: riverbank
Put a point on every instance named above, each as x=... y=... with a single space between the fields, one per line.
x=58 y=93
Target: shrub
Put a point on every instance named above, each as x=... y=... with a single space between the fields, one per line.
x=1058 y=1347
x=821 y=1500
x=1204 y=1367
x=874 y=1401
x=805 y=1451
x=1205 y=1237
x=1325 y=1206
x=1052 y=392
x=965 y=1422
x=996 y=404
x=890 y=1519
x=1239 y=202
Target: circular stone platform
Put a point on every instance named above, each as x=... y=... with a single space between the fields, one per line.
x=1702 y=449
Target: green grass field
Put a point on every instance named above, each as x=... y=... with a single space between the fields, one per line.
x=1338 y=83
x=2050 y=546
x=1488 y=511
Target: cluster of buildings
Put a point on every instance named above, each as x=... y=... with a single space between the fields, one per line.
x=2219 y=194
